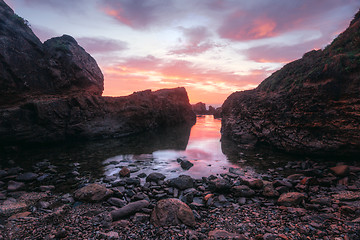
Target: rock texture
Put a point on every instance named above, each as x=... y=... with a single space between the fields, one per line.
x=311 y=105
x=52 y=92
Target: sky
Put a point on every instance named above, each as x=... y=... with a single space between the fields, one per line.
x=210 y=47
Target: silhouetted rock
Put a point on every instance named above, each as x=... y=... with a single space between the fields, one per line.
x=217 y=112
x=308 y=106
x=199 y=108
x=51 y=92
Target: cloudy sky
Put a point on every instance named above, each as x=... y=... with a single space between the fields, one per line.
x=211 y=47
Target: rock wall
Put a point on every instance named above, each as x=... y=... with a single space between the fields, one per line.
x=310 y=106
x=52 y=92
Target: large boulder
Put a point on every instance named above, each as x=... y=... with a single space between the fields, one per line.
x=311 y=105
x=172 y=212
x=129 y=209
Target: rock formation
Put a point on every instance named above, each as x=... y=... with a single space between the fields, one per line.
x=52 y=92
x=311 y=105
x=200 y=109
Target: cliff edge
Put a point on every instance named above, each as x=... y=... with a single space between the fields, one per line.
x=310 y=106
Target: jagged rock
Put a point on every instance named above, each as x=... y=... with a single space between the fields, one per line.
x=129 y=209
x=186 y=164
x=309 y=106
x=291 y=199
x=93 y=193
x=172 y=212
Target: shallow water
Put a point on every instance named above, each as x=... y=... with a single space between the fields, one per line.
x=153 y=152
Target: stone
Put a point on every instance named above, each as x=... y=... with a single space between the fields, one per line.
x=27 y=177
x=295 y=177
x=155 y=177
x=182 y=182
x=341 y=170
x=291 y=199
x=186 y=164
x=110 y=235
x=46 y=188
x=219 y=185
x=141 y=217
x=270 y=192
x=172 y=211
x=218 y=234
x=347 y=196
x=3 y=173
x=9 y=208
x=19 y=215
x=92 y=193
x=15 y=186
x=242 y=191
x=124 y=172
x=129 y=209
x=117 y=202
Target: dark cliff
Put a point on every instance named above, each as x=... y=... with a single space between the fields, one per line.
x=311 y=105
x=52 y=92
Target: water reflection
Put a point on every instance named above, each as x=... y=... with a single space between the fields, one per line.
x=203 y=150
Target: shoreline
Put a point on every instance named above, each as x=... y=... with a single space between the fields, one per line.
x=319 y=202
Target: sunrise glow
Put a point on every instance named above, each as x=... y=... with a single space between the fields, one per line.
x=212 y=48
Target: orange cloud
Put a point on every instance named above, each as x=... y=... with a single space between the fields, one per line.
x=209 y=86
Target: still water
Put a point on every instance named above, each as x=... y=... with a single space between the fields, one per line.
x=203 y=149
x=150 y=152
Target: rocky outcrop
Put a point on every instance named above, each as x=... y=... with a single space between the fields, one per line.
x=29 y=68
x=93 y=117
x=310 y=106
x=200 y=109
x=52 y=92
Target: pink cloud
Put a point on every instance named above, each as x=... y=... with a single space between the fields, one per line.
x=268 y=19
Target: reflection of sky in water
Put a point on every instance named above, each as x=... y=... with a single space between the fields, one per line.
x=203 y=150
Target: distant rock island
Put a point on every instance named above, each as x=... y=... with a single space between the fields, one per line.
x=200 y=109
x=311 y=105
x=52 y=92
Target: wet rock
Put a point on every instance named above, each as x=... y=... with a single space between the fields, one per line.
x=142 y=175
x=109 y=235
x=155 y=177
x=182 y=182
x=278 y=183
x=124 y=172
x=236 y=171
x=341 y=170
x=93 y=193
x=14 y=170
x=253 y=183
x=27 y=177
x=242 y=191
x=116 y=202
x=15 y=186
x=219 y=185
x=129 y=209
x=291 y=199
x=309 y=181
x=133 y=181
x=172 y=212
x=186 y=164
